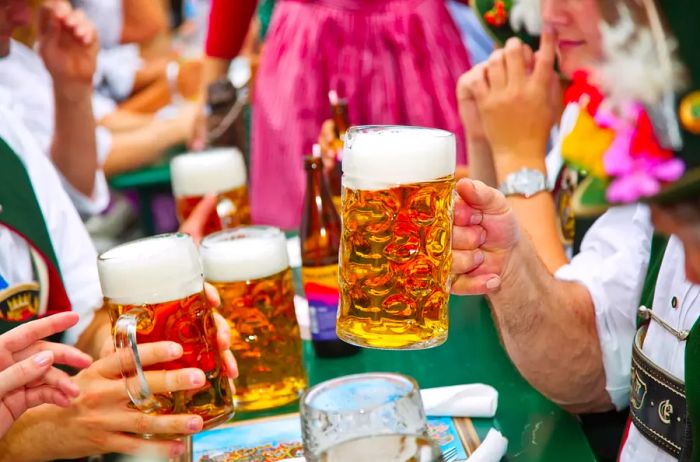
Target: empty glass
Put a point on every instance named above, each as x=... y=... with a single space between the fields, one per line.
x=387 y=448
x=358 y=406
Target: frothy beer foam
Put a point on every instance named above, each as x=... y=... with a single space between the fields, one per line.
x=151 y=270
x=377 y=157
x=214 y=171
x=243 y=254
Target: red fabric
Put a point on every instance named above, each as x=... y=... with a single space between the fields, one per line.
x=58 y=300
x=624 y=437
x=228 y=25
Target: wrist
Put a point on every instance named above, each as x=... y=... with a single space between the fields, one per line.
x=17 y=445
x=507 y=163
x=72 y=91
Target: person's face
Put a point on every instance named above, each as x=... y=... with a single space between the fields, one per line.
x=13 y=14
x=576 y=23
x=684 y=222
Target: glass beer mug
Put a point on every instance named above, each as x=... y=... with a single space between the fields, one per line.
x=396 y=245
x=249 y=266
x=218 y=171
x=154 y=291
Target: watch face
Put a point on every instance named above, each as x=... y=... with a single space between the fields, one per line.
x=528 y=182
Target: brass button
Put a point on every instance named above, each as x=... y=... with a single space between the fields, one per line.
x=689 y=112
x=674 y=302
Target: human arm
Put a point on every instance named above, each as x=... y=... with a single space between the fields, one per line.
x=68 y=47
x=143 y=21
x=547 y=326
x=518 y=104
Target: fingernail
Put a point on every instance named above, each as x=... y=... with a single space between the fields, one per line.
x=196 y=379
x=493 y=283
x=482 y=238
x=478 y=258
x=43 y=358
x=194 y=424
x=177 y=450
x=476 y=218
x=174 y=349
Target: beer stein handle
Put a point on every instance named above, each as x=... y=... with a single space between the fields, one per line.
x=130 y=362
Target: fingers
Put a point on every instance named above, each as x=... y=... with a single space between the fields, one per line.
x=63 y=354
x=544 y=65
x=45 y=394
x=515 y=60
x=481 y=197
x=134 y=445
x=223 y=332
x=497 y=70
x=474 y=83
x=140 y=423
x=465 y=284
x=468 y=238
x=24 y=372
x=212 y=296
x=150 y=354
x=177 y=380
x=58 y=380
x=464 y=261
x=23 y=336
x=230 y=363
x=466 y=215
x=195 y=223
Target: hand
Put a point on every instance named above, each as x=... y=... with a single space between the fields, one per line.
x=223 y=335
x=329 y=143
x=101 y=419
x=198 y=136
x=515 y=97
x=468 y=108
x=189 y=79
x=197 y=221
x=485 y=234
x=26 y=376
x=68 y=45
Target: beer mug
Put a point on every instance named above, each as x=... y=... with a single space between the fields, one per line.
x=154 y=291
x=218 y=171
x=396 y=246
x=360 y=406
x=249 y=266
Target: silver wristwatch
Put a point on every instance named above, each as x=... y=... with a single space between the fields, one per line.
x=525 y=182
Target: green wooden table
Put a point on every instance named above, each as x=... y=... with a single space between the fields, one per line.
x=537 y=430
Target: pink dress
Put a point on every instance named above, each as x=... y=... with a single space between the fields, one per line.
x=395 y=61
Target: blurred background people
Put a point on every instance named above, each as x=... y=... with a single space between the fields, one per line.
x=395 y=62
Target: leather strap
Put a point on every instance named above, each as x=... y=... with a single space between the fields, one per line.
x=658 y=403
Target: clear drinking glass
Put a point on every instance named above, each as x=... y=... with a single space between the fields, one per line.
x=396 y=245
x=385 y=448
x=358 y=406
x=249 y=266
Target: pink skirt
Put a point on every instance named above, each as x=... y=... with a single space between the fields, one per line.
x=395 y=61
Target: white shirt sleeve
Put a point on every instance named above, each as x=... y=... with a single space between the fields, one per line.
x=108 y=16
x=76 y=255
x=612 y=265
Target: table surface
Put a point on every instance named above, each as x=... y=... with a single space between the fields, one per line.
x=537 y=430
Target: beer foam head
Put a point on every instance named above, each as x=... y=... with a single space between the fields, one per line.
x=152 y=270
x=214 y=171
x=243 y=254
x=377 y=157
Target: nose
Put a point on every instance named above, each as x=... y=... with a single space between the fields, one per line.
x=554 y=12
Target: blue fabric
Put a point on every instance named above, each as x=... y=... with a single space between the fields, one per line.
x=3 y=283
x=476 y=40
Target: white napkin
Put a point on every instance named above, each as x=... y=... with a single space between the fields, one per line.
x=492 y=449
x=475 y=400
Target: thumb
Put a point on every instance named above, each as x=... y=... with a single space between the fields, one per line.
x=544 y=63
x=195 y=223
x=481 y=198
x=25 y=372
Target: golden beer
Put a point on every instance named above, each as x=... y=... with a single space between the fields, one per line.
x=218 y=171
x=249 y=267
x=396 y=246
x=154 y=289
